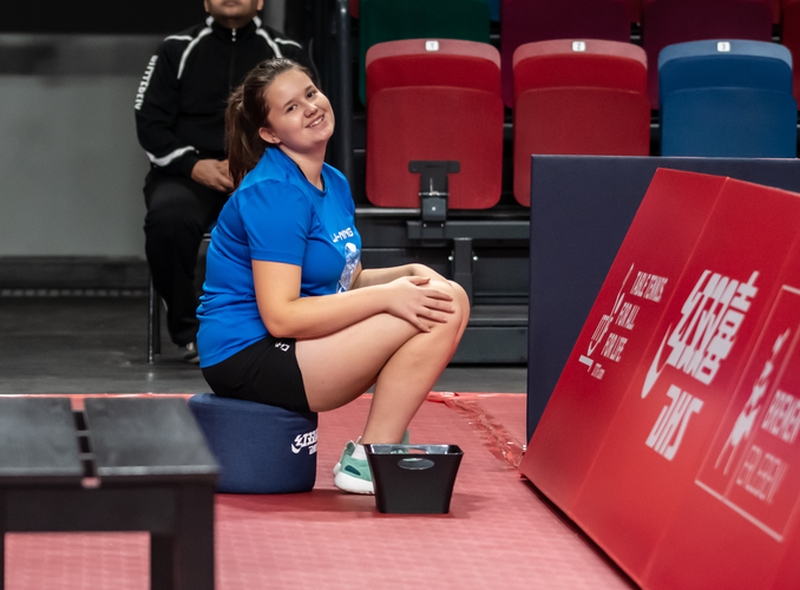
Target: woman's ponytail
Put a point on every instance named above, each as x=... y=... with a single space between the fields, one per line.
x=240 y=158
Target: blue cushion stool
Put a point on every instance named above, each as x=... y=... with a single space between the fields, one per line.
x=261 y=449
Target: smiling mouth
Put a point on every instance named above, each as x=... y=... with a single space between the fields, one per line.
x=317 y=121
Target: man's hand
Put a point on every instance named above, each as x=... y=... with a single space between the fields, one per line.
x=214 y=174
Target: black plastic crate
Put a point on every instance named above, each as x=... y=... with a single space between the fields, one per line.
x=413 y=479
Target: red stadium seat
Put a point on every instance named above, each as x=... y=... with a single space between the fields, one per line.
x=380 y=21
x=791 y=39
x=578 y=97
x=434 y=100
x=636 y=11
x=666 y=22
x=526 y=21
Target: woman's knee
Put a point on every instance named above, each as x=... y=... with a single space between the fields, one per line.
x=460 y=296
x=459 y=302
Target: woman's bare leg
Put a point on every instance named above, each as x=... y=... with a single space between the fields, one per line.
x=402 y=362
x=409 y=375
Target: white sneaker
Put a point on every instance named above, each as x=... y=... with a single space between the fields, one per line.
x=348 y=450
x=353 y=475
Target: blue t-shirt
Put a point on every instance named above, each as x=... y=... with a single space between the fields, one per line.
x=275 y=215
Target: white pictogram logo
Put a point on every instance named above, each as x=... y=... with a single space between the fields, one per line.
x=655 y=369
x=704 y=336
x=621 y=318
x=307 y=440
x=666 y=436
x=747 y=418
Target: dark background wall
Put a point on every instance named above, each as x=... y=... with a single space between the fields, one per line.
x=71 y=167
x=102 y=16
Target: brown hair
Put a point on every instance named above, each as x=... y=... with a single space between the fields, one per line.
x=247 y=112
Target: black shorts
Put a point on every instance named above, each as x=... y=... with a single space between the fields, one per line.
x=264 y=372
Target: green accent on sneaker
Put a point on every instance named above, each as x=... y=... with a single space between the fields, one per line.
x=348 y=451
x=354 y=475
x=351 y=446
x=350 y=468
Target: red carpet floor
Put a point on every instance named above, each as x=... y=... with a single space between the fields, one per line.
x=499 y=533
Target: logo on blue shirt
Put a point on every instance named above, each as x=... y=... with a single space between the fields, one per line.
x=342 y=235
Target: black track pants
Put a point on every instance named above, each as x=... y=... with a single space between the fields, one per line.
x=179 y=212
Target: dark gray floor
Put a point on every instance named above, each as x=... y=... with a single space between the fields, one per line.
x=97 y=345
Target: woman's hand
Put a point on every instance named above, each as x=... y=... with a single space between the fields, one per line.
x=416 y=300
x=421 y=301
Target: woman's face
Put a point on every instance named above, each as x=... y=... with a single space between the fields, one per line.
x=300 y=117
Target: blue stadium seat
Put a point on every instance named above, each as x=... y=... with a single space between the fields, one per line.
x=667 y=22
x=494 y=10
x=727 y=98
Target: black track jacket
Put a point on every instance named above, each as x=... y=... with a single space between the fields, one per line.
x=180 y=104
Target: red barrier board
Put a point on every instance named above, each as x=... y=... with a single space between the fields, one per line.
x=667 y=425
x=749 y=478
x=746 y=467
x=628 y=308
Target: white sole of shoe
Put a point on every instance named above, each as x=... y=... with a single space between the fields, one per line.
x=353 y=485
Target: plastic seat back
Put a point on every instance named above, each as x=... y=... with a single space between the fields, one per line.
x=636 y=11
x=394 y=20
x=434 y=100
x=790 y=37
x=719 y=122
x=721 y=63
x=667 y=22
x=494 y=10
x=578 y=97
x=527 y=21
x=727 y=98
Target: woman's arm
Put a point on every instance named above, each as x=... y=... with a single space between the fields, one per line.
x=286 y=314
x=380 y=276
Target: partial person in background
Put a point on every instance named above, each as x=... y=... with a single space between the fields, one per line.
x=288 y=316
x=180 y=123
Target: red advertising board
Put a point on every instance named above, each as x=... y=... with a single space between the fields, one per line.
x=673 y=431
x=627 y=309
x=746 y=467
x=750 y=476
